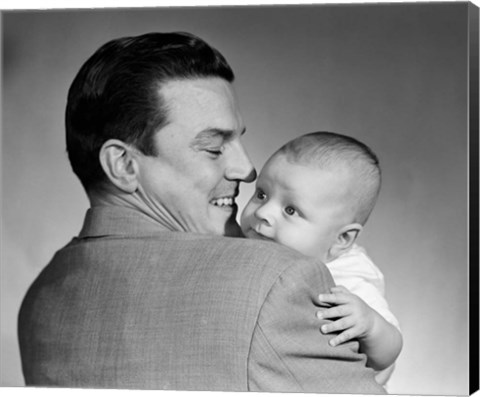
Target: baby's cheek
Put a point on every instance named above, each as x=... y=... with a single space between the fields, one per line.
x=302 y=244
x=245 y=218
x=286 y=238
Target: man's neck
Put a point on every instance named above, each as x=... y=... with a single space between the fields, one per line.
x=112 y=196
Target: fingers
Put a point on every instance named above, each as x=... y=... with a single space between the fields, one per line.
x=346 y=325
x=335 y=326
x=334 y=312
x=345 y=336
x=343 y=308
x=337 y=298
x=340 y=288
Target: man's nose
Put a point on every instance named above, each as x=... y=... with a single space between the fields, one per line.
x=240 y=168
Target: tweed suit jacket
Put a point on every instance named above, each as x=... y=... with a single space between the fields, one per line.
x=128 y=304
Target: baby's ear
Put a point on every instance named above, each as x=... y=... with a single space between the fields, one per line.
x=345 y=239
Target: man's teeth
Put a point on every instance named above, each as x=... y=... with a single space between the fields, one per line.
x=222 y=202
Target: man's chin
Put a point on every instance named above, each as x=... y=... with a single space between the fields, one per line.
x=232 y=229
x=223 y=222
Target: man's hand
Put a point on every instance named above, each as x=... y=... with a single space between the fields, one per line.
x=352 y=315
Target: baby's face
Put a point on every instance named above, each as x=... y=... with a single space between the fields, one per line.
x=298 y=206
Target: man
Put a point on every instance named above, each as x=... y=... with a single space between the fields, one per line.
x=151 y=294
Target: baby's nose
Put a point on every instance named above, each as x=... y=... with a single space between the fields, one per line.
x=264 y=214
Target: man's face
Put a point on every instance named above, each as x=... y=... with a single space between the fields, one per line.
x=298 y=206
x=192 y=184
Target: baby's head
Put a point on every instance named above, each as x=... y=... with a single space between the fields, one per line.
x=314 y=195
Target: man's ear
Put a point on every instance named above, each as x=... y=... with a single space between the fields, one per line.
x=119 y=165
x=345 y=239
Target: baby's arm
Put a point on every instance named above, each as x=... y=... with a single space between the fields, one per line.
x=379 y=340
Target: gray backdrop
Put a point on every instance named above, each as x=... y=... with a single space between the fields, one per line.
x=393 y=76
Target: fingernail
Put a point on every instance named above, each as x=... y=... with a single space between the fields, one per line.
x=320 y=297
x=319 y=315
x=332 y=342
x=323 y=328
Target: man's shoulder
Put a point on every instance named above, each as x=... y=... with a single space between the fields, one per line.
x=239 y=256
x=237 y=247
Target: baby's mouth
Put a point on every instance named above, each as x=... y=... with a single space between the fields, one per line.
x=254 y=234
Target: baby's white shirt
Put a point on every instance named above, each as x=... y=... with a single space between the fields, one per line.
x=356 y=271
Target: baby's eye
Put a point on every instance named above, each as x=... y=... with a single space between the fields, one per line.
x=260 y=195
x=290 y=210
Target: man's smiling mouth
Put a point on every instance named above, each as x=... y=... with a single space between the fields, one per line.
x=223 y=202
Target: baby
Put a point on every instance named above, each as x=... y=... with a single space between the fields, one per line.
x=314 y=195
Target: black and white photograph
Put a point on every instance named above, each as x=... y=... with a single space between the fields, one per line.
x=267 y=198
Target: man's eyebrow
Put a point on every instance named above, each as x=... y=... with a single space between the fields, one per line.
x=206 y=136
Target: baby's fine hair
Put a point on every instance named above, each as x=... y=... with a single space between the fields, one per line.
x=329 y=150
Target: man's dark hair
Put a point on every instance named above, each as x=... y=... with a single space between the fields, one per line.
x=116 y=94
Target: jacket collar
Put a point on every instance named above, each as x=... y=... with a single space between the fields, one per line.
x=117 y=221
